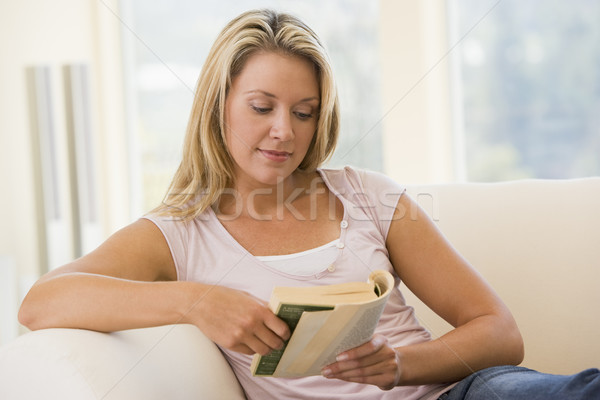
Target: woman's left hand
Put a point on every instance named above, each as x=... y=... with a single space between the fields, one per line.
x=375 y=363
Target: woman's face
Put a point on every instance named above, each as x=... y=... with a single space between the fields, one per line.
x=271 y=114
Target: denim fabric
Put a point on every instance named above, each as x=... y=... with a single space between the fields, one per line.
x=518 y=383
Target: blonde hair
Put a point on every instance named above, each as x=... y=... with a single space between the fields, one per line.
x=206 y=168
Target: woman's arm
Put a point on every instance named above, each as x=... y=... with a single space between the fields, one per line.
x=105 y=290
x=485 y=332
x=130 y=282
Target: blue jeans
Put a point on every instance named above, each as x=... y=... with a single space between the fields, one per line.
x=518 y=383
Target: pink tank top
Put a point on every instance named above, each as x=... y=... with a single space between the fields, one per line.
x=203 y=251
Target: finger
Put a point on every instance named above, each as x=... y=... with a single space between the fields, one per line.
x=364 y=350
x=383 y=358
x=269 y=338
x=257 y=345
x=278 y=326
x=354 y=373
x=371 y=365
x=382 y=363
x=253 y=338
x=384 y=373
x=383 y=381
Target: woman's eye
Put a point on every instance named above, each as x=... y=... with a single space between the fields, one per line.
x=260 y=110
x=303 y=116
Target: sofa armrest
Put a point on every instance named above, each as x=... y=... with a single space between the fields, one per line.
x=167 y=362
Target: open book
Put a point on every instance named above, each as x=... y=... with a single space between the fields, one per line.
x=324 y=321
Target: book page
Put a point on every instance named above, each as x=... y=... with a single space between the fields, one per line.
x=348 y=326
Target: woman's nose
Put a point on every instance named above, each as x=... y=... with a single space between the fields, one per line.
x=282 y=128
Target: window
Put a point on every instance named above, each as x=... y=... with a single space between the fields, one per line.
x=529 y=88
x=172 y=40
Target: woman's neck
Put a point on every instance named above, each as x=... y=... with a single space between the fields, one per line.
x=270 y=201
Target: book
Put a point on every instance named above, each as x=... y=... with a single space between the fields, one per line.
x=324 y=321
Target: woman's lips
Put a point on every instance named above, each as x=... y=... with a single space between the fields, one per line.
x=277 y=156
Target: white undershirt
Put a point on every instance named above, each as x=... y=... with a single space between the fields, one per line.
x=304 y=263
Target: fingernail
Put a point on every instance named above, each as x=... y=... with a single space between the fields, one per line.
x=326 y=372
x=342 y=357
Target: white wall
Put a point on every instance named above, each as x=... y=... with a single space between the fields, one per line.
x=55 y=33
x=418 y=138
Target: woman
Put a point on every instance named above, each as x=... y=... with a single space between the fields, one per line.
x=249 y=209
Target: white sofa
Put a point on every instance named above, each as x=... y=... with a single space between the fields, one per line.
x=536 y=242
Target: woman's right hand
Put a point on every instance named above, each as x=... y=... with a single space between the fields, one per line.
x=236 y=320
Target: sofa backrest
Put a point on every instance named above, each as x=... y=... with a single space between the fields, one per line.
x=537 y=242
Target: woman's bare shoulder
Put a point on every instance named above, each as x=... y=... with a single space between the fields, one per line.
x=139 y=251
